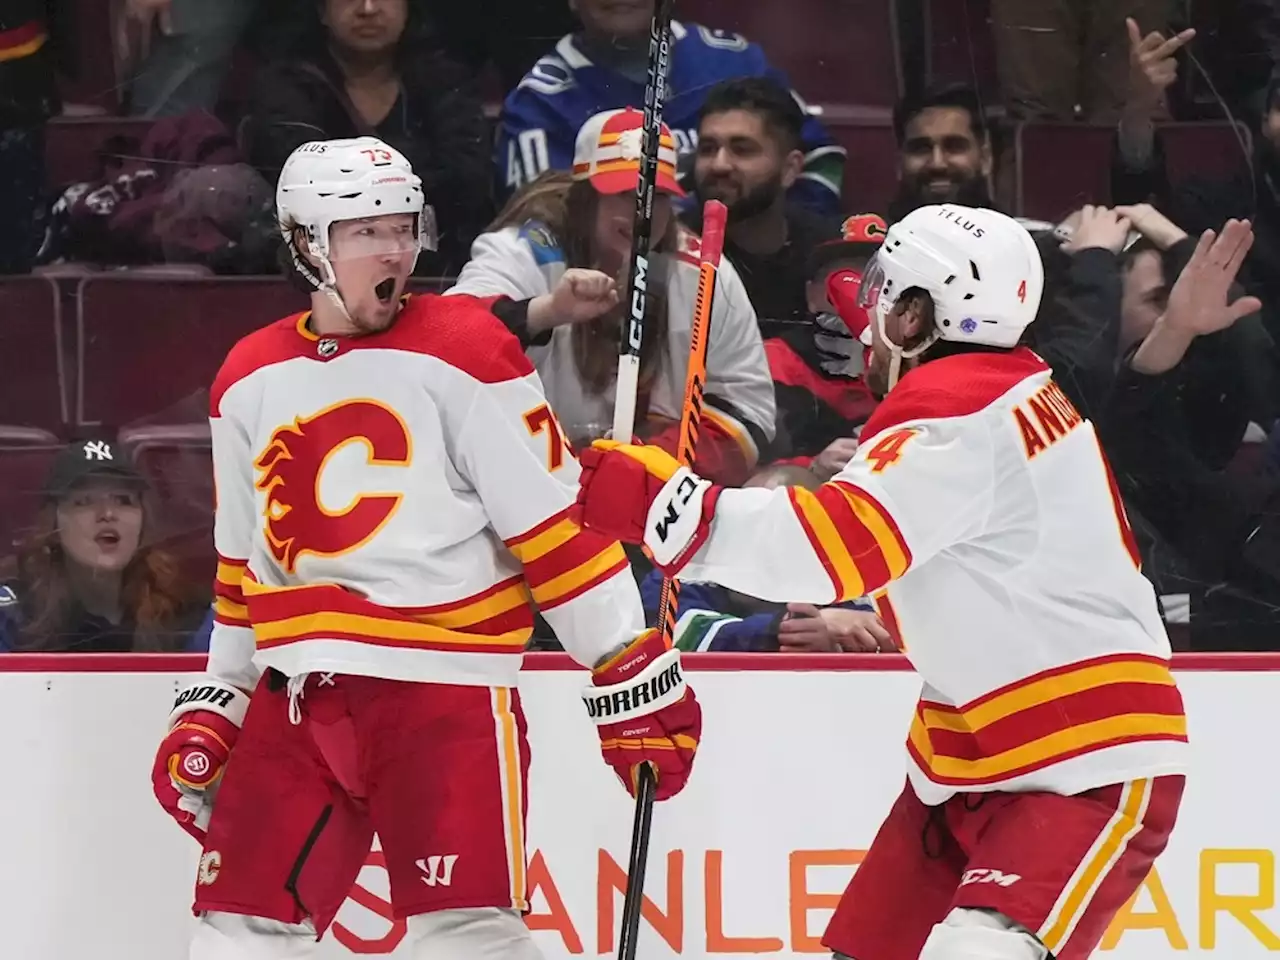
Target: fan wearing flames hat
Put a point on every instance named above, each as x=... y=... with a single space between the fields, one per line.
x=560 y=252
x=817 y=367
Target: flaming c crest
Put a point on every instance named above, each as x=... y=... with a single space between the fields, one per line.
x=289 y=471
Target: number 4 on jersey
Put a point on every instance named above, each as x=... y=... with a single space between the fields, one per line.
x=888 y=450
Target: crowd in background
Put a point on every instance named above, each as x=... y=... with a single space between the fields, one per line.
x=1186 y=411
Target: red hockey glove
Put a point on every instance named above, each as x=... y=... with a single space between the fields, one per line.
x=203 y=727
x=646 y=713
x=641 y=494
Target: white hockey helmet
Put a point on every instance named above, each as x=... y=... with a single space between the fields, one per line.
x=326 y=181
x=982 y=269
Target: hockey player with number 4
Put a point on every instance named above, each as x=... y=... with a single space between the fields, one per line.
x=1046 y=757
x=392 y=499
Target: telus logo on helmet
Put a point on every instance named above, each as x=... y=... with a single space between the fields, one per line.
x=953 y=215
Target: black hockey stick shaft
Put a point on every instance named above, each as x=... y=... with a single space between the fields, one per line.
x=646 y=786
x=624 y=407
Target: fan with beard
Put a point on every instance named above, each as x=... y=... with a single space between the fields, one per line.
x=749 y=202
x=914 y=192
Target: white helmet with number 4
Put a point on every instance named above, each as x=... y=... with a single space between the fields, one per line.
x=981 y=268
x=326 y=181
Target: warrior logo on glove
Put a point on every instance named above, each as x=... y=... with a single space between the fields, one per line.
x=646 y=713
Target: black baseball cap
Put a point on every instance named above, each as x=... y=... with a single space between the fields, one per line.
x=82 y=459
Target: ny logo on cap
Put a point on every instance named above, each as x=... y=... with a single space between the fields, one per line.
x=98 y=450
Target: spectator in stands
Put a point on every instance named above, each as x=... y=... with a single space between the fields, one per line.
x=87 y=581
x=1197 y=367
x=1078 y=326
x=560 y=251
x=604 y=67
x=1202 y=203
x=28 y=98
x=713 y=618
x=1059 y=59
x=944 y=150
x=1153 y=70
x=748 y=156
x=367 y=71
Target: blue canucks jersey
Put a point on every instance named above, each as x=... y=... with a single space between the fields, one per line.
x=541 y=117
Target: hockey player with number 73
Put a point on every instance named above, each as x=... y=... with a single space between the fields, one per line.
x=392 y=499
x=1046 y=757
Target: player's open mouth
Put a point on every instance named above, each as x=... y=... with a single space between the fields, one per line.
x=107 y=538
x=385 y=290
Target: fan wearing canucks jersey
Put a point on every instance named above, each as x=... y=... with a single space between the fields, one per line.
x=604 y=66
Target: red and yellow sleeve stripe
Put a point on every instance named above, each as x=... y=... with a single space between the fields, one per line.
x=858 y=543
x=1048 y=718
x=229 y=607
x=562 y=561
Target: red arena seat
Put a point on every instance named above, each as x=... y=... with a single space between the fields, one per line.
x=32 y=378
x=148 y=349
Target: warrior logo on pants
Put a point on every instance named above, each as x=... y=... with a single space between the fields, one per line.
x=432 y=872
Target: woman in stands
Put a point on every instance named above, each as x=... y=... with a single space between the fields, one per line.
x=560 y=251
x=87 y=582
x=373 y=69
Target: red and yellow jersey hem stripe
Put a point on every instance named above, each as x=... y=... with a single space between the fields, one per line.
x=495 y=620
x=1046 y=719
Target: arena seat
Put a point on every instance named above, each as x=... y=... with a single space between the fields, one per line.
x=73 y=146
x=1063 y=165
x=23 y=469
x=960 y=48
x=1060 y=167
x=1214 y=150
x=32 y=379
x=177 y=463
x=95 y=82
x=837 y=51
x=147 y=349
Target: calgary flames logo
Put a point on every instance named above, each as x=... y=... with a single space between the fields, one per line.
x=289 y=472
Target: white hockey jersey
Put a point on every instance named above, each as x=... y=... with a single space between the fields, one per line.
x=388 y=505
x=981 y=515
x=526 y=262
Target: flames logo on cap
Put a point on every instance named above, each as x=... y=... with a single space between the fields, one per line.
x=290 y=468
x=864 y=228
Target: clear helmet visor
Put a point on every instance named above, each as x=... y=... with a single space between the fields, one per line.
x=872 y=284
x=388 y=236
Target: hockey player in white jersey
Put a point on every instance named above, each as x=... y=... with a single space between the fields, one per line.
x=1047 y=753
x=392 y=498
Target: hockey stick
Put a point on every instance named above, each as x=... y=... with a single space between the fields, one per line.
x=655 y=88
x=714 y=216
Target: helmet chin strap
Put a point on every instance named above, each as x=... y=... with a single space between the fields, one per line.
x=896 y=352
x=329 y=287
